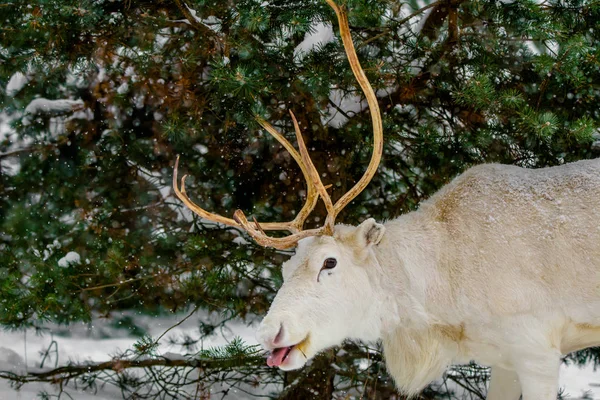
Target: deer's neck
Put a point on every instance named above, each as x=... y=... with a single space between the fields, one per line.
x=409 y=256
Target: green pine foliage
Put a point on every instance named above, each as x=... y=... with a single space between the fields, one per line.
x=459 y=83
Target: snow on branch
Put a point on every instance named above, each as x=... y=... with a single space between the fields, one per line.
x=16 y=83
x=53 y=107
x=320 y=34
x=196 y=22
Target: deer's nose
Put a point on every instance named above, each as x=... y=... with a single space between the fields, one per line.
x=270 y=336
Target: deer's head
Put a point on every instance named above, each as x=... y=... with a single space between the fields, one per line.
x=328 y=280
x=327 y=296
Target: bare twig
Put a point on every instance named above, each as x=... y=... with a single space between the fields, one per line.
x=178 y=323
x=197 y=25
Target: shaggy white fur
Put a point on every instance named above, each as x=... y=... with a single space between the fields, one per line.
x=501 y=266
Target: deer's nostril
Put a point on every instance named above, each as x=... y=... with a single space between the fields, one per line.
x=279 y=335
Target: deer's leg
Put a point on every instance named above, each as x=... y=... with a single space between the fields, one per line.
x=504 y=385
x=538 y=375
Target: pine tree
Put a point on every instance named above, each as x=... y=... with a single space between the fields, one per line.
x=99 y=97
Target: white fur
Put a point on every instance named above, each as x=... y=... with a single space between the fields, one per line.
x=501 y=266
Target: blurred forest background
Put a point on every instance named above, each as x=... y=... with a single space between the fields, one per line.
x=98 y=97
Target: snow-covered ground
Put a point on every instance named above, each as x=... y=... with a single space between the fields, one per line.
x=99 y=340
x=579 y=382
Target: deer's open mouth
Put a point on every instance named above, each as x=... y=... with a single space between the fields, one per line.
x=280 y=354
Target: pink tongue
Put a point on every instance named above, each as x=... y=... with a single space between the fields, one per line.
x=276 y=357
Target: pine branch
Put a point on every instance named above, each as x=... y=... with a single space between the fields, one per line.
x=389 y=30
x=68 y=372
x=16 y=152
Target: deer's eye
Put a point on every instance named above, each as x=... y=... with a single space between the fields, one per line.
x=329 y=263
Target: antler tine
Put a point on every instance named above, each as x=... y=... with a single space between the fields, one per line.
x=257 y=231
x=315 y=179
x=315 y=188
x=193 y=206
x=279 y=243
x=373 y=106
x=311 y=193
x=182 y=195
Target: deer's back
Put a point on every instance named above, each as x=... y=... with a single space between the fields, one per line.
x=521 y=239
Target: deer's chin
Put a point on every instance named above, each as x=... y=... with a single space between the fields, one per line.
x=295 y=360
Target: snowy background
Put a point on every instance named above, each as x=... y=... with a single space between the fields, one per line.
x=98 y=340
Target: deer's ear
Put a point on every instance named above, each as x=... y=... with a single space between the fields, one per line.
x=369 y=232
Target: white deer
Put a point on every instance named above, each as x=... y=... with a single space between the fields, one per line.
x=501 y=266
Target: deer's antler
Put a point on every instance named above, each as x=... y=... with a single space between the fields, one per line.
x=315 y=187
x=360 y=76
